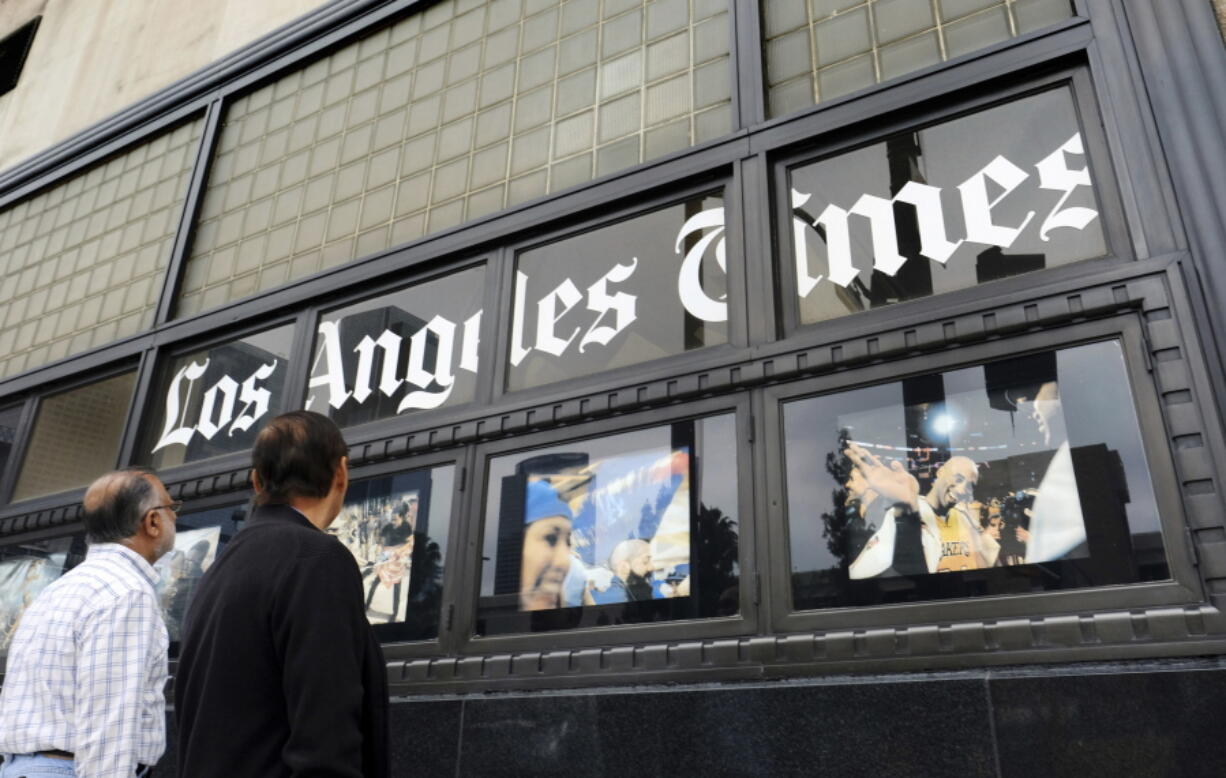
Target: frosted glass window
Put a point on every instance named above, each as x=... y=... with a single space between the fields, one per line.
x=82 y=263
x=822 y=49
x=76 y=437
x=448 y=115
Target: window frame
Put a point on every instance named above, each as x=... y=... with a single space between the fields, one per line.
x=399 y=650
x=391 y=284
x=156 y=372
x=746 y=620
x=728 y=184
x=1184 y=586
x=985 y=96
x=25 y=436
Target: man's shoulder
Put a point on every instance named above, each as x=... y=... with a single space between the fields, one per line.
x=91 y=587
x=270 y=531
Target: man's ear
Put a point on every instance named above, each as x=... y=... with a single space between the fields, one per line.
x=255 y=482
x=340 y=479
x=151 y=523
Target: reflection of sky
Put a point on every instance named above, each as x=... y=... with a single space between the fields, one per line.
x=1097 y=407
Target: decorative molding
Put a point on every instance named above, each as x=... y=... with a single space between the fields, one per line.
x=1196 y=629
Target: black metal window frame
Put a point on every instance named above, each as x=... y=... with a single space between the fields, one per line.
x=1184 y=587
x=1075 y=78
x=473 y=525
x=1146 y=292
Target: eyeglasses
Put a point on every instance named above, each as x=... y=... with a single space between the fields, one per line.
x=175 y=506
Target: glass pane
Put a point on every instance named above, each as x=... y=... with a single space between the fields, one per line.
x=396 y=527
x=809 y=45
x=82 y=263
x=10 y=418
x=199 y=537
x=446 y=116
x=28 y=568
x=216 y=400
x=413 y=349
x=76 y=437
x=1024 y=475
x=636 y=527
x=986 y=196
x=650 y=287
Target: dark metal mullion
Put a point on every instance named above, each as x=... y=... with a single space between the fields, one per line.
x=299 y=363
x=749 y=85
x=141 y=399
x=21 y=441
x=462 y=568
x=761 y=262
x=496 y=310
x=191 y=207
x=739 y=265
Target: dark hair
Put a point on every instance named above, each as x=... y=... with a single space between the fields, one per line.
x=296 y=455
x=117 y=516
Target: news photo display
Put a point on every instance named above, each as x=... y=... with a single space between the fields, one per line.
x=395 y=527
x=200 y=536
x=25 y=570
x=628 y=528
x=1022 y=475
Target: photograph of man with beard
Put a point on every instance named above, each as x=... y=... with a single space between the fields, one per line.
x=546 y=556
x=921 y=534
x=632 y=574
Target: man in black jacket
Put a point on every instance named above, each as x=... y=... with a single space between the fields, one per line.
x=280 y=673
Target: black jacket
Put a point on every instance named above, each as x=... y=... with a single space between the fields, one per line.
x=280 y=673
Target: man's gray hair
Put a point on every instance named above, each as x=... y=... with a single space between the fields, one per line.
x=116 y=502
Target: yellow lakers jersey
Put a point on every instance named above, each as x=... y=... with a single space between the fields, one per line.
x=957 y=544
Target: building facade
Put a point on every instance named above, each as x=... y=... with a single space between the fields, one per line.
x=731 y=386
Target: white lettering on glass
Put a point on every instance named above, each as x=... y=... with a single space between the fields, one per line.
x=1055 y=175
x=689 y=281
x=547 y=316
x=255 y=399
x=217 y=404
x=438 y=335
x=417 y=374
x=600 y=302
x=175 y=431
x=977 y=208
x=834 y=221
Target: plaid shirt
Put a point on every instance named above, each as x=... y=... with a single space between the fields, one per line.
x=87 y=668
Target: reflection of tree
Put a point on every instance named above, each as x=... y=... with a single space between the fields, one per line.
x=715 y=573
x=837 y=525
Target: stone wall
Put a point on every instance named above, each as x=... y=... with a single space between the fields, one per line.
x=93 y=58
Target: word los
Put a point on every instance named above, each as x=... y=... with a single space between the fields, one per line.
x=217 y=405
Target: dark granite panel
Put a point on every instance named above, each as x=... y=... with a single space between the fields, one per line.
x=1135 y=724
x=424 y=737
x=544 y=735
x=898 y=729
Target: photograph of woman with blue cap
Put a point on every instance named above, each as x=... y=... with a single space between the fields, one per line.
x=546 y=557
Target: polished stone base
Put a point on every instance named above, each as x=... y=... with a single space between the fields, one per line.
x=1134 y=719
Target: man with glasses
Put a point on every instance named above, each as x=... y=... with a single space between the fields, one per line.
x=83 y=693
